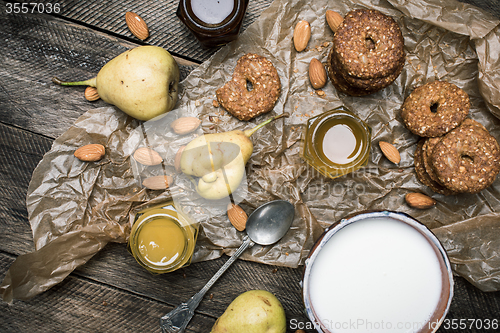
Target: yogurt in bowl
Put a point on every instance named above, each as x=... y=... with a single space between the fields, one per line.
x=377 y=272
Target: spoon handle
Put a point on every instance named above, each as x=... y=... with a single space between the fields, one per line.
x=177 y=320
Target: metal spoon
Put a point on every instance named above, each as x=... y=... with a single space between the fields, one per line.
x=265 y=226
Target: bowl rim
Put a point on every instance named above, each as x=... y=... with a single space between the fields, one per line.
x=351 y=218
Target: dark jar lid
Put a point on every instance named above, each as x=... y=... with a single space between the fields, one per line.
x=212 y=34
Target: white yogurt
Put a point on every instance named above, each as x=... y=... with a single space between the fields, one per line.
x=376 y=275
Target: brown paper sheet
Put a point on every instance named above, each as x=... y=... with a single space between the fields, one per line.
x=76 y=208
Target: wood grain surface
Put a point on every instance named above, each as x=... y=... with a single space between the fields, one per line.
x=112 y=293
x=167 y=30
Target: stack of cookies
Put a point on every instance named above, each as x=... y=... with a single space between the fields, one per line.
x=367 y=53
x=456 y=154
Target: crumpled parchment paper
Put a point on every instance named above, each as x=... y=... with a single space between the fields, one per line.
x=75 y=208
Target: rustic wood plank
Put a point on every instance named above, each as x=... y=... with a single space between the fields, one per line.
x=114 y=268
x=166 y=30
x=20 y=152
x=39 y=47
x=492 y=7
x=82 y=305
x=135 y=299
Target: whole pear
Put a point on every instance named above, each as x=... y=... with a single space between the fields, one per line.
x=142 y=82
x=219 y=160
x=255 y=311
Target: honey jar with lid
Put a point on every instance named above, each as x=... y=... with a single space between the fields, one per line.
x=162 y=238
x=336 y=142
x=213 y=22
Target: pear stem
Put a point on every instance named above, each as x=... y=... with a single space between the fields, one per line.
x=256 y=128
x=90 y=82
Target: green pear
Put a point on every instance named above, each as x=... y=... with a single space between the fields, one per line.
x=142 y=82
x=219 y=160
x=255 y=311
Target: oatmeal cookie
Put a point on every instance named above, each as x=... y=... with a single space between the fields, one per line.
x=369 y=44
x=338 y=80
x=452 y=107
x=423 y=176
x=427 y=149
x=472 y=122
x=369 y=85
x=246 y=104
x=367 y=53
x=467 y=159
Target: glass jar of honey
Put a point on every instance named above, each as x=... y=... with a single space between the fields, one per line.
x=162 y=239
x=336 y=142
x=213 y=22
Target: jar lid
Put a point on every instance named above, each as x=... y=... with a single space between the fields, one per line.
x=212 y=15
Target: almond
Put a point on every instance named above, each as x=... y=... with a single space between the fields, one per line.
x=317 y=74
x=90 y=153
x=185 y=125
x=419 y=200
x=147 y=156
x=91 y=94
x=237 y=216
x=158 y=182
x=177 y=161
x=334 y=20
x=390 y=152
x=137 y=26
x=301 y=35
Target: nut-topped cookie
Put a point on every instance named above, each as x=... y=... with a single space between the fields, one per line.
x=451 y=108
x=422 y=174
x=467 y=159
x=427 y=149
x=246 y=104
x=367 y=53
x=369 y=44
x=338 y=80
x=373 y=84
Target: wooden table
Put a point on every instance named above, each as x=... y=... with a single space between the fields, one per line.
x=111 y=293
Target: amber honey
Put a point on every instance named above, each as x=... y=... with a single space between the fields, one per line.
x=162 y=239
x=336 y=142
